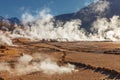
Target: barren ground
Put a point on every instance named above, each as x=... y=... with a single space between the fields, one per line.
x=93 y=60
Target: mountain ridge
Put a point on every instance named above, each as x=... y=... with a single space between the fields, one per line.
x=87 y=14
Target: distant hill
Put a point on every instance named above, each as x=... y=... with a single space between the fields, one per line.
x=88 y=14
x=8 y=24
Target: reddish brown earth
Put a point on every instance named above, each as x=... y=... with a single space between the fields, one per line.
x=93 y=60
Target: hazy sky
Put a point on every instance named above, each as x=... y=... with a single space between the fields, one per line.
x=15 y=8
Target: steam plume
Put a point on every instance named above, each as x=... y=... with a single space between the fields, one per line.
x=27 y=64
x=100 y=6
x=5 y=39
x=42 y=27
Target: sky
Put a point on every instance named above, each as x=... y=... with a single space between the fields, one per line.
x=15 y=8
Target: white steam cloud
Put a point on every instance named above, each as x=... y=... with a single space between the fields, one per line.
x=107 y=29
x=5 y=39
x=42 y=27
x=27 y=64
x=100 y=6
